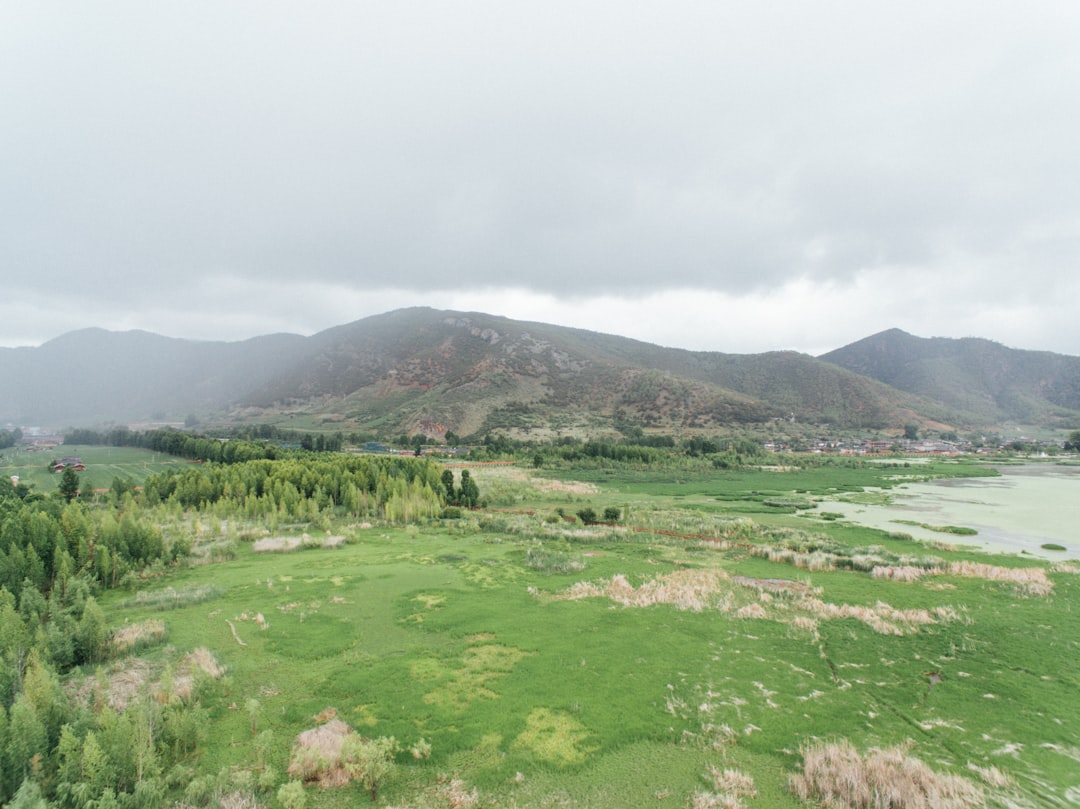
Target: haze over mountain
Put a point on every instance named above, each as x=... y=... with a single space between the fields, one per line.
x=428 y=370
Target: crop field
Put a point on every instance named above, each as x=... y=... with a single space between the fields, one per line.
x=102 y=465
x=720 y=645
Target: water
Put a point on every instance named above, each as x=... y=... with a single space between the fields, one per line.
x=1028 y=506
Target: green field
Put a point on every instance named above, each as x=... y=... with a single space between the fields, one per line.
x=102 y=465
x=551 y=664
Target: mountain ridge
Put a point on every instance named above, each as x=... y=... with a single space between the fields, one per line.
x=473 y=372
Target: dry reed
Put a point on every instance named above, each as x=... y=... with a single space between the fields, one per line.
x=136 y=636
x=836 y=776
x=316 y=754
x=693 y=590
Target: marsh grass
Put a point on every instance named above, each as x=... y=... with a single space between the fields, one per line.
x=171 y=598
x=132 y=638
x=433 y=632
x=546 y=559
x=836 y=776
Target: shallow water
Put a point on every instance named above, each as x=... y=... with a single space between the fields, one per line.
x=1026 y=507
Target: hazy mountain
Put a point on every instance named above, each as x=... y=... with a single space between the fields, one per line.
x=423 y=369
x=974 y=380
x=93 y=376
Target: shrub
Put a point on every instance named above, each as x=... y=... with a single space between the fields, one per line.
x=586 y=514
x=612 y=514
x=292 y=795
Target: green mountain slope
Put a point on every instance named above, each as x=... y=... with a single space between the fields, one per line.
x=977 y=381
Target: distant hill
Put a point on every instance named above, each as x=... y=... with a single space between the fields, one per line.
x=94 y=376
x=427 y=370
x=975 y=381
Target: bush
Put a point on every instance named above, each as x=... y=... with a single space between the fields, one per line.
x=586 y=514
x=611 y=514
x=292 y=795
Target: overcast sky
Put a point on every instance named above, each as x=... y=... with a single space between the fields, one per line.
x=729 y=176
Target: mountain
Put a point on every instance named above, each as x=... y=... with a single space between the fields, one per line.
x=427 y=370
x=92 y=376
x=976 y=381
x=472 y=372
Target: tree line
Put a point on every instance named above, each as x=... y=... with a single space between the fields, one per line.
x=59 y=553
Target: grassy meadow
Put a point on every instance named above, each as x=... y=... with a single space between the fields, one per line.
x=701 y=652
x=103 y=464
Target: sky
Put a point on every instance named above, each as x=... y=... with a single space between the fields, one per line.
x=717 y=175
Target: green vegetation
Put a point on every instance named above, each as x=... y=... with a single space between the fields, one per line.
x=959 y=530
x=716 y=642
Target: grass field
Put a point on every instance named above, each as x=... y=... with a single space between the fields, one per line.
x=626 y=668
x=102 y=465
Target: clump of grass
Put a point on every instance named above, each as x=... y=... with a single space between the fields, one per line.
x=133 y=637
x=197 y=663
x=316 y=754
x=548 y=560
x=729 y=787
x=906 y=573
x=836 y=776
x=453 y=793
x=171 y=598
x=287 y=544
x=693 y=590
x=1027 y=580
x=958 y=530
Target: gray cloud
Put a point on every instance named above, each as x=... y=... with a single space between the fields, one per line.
x=148 y=152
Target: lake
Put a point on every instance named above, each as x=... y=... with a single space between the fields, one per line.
x=1029 y=505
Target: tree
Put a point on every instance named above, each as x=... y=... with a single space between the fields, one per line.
x=586 y=514
x=92 y=635
x=448 y=485
x=611 y=514
x=469 y=494
x=69 y=484
x=1073 y=442
x=911 y=431
x=29 y=797
x=369 y=761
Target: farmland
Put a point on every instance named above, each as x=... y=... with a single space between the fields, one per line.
x=691 y=653
x=103 y=464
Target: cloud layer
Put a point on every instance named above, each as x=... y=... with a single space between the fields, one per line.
x=737 y=177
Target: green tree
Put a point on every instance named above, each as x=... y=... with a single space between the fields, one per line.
x=92 y=634
x=911 y=431
x=369 y=761
x=611 y=514
x=469 y=494
x=69 y=484
x=27 y=742
x=448 y=485
x=1073 y=441
x=29 y=797
x=586 y=514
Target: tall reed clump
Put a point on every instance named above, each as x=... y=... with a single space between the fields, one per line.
x=836 y=776
x=171 y=598
x=132 y=637
x=1031 y=581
